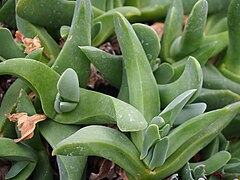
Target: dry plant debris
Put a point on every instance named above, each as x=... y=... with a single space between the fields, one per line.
x=26 y=124
x=30 y=44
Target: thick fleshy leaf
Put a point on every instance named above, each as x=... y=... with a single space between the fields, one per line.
x=186 y=172
x=139 y=74
x=212 y=127
x=40 y=78
x=199 y=172
x=69 y=167
x=214 y=163
x=164 y=73
x=8 y=47
x=231 y=62
x=151 y=136
x=30 y=30
x=149 y=40
x=217 y=98
x=170 y=113
x=70 y=55
x=191 y=78
x=26 y=172
x=159 y=153
x=194 y=126
x=212 y=79
x=68 y=86
x=16 y=169
x=7 y=13
x=16 y=152
x=106 y=110
x=193 y=31
x=190 y=111
x=105 y=142
x=64 y=31
x=106 y=23
x=172 y=28
x=109 y=65
x=45 y=13
x=221 y=41
x=232 y=167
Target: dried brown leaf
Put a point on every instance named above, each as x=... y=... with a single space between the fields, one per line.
x=26 y=124
x=159 y=28
x=19 y=37
x=30 y=44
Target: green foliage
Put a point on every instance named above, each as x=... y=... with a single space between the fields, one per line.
x=178 y=95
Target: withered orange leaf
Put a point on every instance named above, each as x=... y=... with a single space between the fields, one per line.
x=30 y=44
x=26 y=124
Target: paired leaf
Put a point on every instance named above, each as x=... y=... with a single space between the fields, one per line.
x=214 y=163
x=193 y=74
x=231 y=65
x=164 y=73
x=104 y=25
x=212 y=127
x=30 y=30
x=190 y=111
x=193 y=31
x=7 y=13
x=16 y=152
x=109 y=65
x=70 y=56
x=40 y=78
x=106 y=110
x=172 y=28
x=68 y=92
x=105 y=142
x=149 y=40
x=194 y=126
x=52 y=14
x=217 y=98
x=69 y=167
x=170 y=113
x=212 y=79
x=8 y=47
x=159 y=153
x=112 y=111
x=138 y=70
x=16 y=169
x=151 y=136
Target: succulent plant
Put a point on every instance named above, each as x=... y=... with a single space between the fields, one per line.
x=177 y=95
